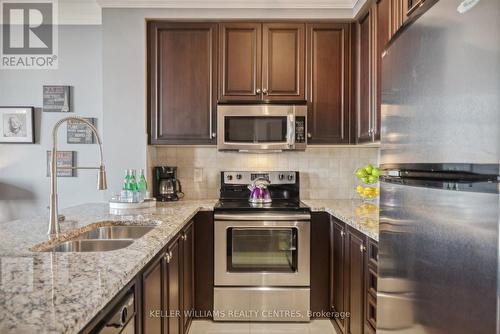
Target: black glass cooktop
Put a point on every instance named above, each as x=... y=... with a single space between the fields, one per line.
x=245 y=205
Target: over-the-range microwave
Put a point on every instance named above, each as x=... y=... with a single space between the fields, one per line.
x=261 y=127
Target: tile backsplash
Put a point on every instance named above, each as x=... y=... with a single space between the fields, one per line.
x=326 y=172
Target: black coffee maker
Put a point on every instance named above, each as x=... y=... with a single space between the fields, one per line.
x=166 y=186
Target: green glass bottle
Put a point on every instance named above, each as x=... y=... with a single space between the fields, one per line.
x=142 y=185
x=133 y=182
x=126 y=180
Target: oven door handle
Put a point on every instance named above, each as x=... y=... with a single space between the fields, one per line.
x=264 y=216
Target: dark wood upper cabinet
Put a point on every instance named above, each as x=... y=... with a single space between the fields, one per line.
x=261 y=61
x=364 y=114
x=182 y=79
x=240 y=61
x=283 y=61
x=383 y=34
x=356 y=277
x=328 y=77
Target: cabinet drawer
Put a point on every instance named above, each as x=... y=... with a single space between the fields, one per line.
x=371 y=312
x=371 y=283
x=372 y=253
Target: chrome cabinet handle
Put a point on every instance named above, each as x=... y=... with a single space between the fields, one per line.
x=258 y=91
x=342 y=234
x=167 y=258
x=309 y=135
x=362 y=248
x=264 y=91
x=214 y=135
x=184 y=237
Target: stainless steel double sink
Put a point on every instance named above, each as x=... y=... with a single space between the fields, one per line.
x=103 y=239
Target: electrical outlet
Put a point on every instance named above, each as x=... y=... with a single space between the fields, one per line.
x=198 y=175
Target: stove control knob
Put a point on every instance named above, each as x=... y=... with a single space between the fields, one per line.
x=281 y=176
x=238 y=176
x=290 y=177
x=229 y=177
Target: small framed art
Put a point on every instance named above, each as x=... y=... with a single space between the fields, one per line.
x=17 y=125
x=57 y=98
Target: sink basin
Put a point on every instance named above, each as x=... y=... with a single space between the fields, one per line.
x=90 y=245
x=116 y=232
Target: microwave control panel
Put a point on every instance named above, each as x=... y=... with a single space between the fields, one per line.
x=300 y=129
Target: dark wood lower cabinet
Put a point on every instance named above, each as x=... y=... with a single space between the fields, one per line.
x=168 y=287
x=152 y=303
x=204 y=263
x=172 y=292
x=353 y=279
x=356 y=280
x=320 y=259
x=187 y=276
x=337 y=273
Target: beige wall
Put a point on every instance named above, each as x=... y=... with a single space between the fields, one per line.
x=326 y=173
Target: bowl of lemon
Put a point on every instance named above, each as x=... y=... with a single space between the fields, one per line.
x=367 y=182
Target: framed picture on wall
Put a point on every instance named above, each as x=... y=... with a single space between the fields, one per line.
x=65 y=160
x=17 y=125
x=56 y=98
x=80 y=133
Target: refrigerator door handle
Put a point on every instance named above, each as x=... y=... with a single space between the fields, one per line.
x=392 y=173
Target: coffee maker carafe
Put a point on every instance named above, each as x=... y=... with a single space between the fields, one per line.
x=166 y=186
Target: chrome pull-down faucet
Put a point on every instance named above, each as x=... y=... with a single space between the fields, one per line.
x=54 y=228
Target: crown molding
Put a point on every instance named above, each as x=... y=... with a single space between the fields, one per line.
x=81 y=12
x=230 y=4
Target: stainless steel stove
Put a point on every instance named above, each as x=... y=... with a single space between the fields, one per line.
x=262 y=251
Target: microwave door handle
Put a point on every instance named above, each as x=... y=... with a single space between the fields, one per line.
x=291 y=131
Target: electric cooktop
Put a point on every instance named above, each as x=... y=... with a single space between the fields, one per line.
x=284 y=189
x=276 y=205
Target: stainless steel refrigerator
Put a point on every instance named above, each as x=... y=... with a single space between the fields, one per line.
x=440 y=152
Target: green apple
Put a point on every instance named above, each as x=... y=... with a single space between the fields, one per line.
x=360 y=172
x=364 y=179
x=376 y=172
x=372 y=178
x=368 y=168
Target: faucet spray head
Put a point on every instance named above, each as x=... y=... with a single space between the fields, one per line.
x=101 y=179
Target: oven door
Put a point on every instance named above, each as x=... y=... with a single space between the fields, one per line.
x=262 y=253
x=256 y=127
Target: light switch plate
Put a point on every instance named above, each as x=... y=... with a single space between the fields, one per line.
x=198 y=175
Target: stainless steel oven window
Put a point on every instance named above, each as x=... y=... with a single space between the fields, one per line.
x=262 y=250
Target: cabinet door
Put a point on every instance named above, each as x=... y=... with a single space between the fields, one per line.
x=328 y=83
x=337 y=289
x=283 y=61
x=188 y=275
x=182 y=82
x=383 y=34
x=172 y=291
x=356 y=266
x=152 y=298
x=365 y=102
x=240 y=61
x=204 y=263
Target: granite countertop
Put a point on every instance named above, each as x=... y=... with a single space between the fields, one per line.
x=361 y=216
x=44 y=292
x=61 y=292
